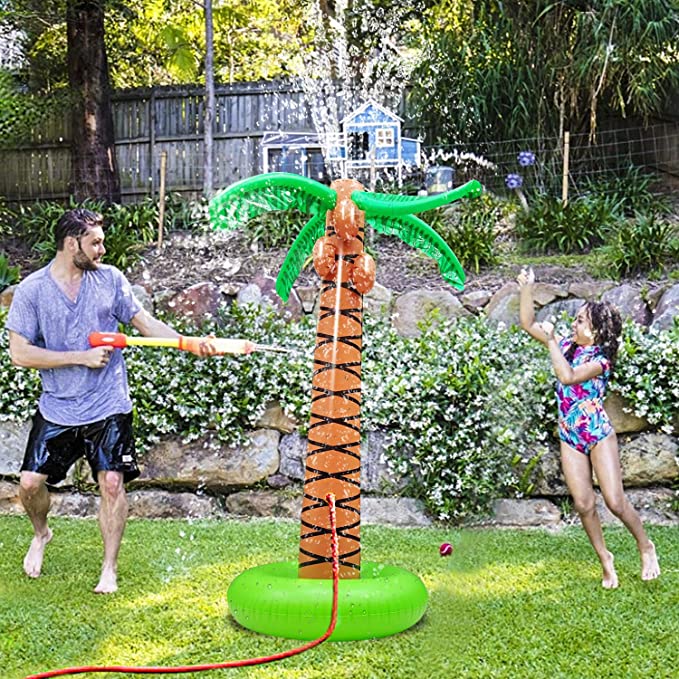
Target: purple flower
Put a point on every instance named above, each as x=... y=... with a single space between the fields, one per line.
x=514 y=181
x=526 y=158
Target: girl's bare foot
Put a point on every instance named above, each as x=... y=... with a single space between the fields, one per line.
x=108 y=582
x=35 y=554
x=610 y=579
x=650 y=569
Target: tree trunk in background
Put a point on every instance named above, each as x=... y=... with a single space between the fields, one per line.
x=94 y=168
x=208 y=174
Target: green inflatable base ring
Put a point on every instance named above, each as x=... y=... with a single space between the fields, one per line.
x=272 y=599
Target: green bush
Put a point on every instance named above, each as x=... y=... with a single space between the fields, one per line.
x=466 y=408
x=630 y=191
x=469 y=229
x=642 y=245
x=550 y=227
x=9 y=275
x=274 y=230
x=128 y=228
x=182 y=214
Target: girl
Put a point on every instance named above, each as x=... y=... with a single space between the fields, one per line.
x=583 y=364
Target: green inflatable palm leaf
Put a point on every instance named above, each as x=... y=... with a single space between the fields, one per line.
x=415 y=232
x=299 y=251
x=254 y=196
x=390 y=205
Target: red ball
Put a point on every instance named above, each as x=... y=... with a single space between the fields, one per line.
x=446 y=549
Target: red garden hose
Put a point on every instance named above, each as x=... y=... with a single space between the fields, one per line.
x=235 y=663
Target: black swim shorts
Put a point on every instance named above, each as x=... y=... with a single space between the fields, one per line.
x=107 y=444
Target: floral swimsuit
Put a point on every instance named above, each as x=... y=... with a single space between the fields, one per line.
x=583 y=422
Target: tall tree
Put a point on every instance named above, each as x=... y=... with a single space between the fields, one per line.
x=94 y=167
x=511 y=69
x=208 y=179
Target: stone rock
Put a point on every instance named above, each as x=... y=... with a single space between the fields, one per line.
x=413 y=307
x=510 y=512
x=654 y=506
x=623 y=422
x=10 y=503
x=292 y=309
x=7 y=295
x=589 y=290
x=649 y=459
x=569 y=307
x=307 y=295
x=378 y=301
x=143 y=297
x=503 y=308
x=544 y=293
x=629 y=302
x=274 y=417
x=549 y=479
x=293 y=450
x=13 y=437
x=375 y=473
x=667 y=309
x=278 y=481
x=265 y=503
x=196 y=302
x=476 y=300
x=204 y=464
x=160 y=504
x=230 y=288
x=394 y=511
x=249 y=294
x=74 y=504
x=654 y=295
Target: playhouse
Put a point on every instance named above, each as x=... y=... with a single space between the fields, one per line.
x=369 y=143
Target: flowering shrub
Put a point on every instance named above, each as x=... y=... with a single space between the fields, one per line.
x=467 y=408
x=647 y=374
x=464 y=406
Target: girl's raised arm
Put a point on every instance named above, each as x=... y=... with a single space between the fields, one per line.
x=526 y=279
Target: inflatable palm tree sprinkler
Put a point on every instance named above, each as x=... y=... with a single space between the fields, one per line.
x=293 y=599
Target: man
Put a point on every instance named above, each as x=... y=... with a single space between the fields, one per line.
x=85 y=407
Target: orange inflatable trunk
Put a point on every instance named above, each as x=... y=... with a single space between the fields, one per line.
x=333 y=462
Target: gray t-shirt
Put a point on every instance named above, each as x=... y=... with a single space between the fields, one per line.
x=46 y=317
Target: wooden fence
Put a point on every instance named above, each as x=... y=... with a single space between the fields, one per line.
x=150 y=121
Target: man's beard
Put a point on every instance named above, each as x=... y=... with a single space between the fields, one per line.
x=83 y=262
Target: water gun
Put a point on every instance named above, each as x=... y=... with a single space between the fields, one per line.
x=222 y=345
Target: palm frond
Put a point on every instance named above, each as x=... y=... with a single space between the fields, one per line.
x=389 y=205
x=269 y=192
x=415 y=232
x=299 y=251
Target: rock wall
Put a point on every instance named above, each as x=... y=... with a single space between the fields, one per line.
x=263 y=477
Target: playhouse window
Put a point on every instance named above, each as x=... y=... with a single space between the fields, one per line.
x=384 y=136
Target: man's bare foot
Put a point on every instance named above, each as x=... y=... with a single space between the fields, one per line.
x=650 y=569
x=108 y=582
x=610 y=579
x=35 y=554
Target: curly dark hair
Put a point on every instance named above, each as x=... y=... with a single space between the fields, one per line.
x=607 y=327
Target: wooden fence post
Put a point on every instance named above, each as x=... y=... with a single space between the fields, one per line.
x=161 y=197
x=564 y=177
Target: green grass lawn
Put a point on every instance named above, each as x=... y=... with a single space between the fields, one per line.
x=506 y=604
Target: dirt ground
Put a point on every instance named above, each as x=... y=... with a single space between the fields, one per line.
x=186 y=259
x=229 y=259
